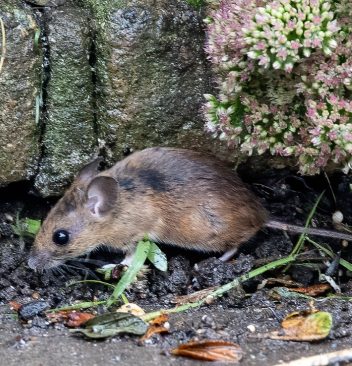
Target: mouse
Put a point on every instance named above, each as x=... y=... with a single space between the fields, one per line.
x=174 y=196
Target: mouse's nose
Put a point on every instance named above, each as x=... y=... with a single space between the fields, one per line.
x=38 y=260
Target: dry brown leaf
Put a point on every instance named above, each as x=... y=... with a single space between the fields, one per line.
x=72 y=319
x=57 y=317
x=210 y=350
x=76 y=319
x=313 y=290
x=160 y=320
x=304 y=326
x=282 y=281
x=154 y=329
x=157 y=325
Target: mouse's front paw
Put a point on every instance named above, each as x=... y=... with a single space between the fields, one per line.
x=116 y=271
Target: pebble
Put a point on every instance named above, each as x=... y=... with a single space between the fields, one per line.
x=33 y=308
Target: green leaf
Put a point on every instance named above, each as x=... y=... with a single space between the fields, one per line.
x=32 y=226
x=157 y=257
x=323 y=322
x=128 y=277
x=110 y=324
x=26 y=227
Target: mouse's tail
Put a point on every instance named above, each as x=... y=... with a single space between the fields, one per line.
x=273 y=224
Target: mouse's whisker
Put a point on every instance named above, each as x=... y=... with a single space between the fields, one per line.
x=97 y=262
x=80 y=268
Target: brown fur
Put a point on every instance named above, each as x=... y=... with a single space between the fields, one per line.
x=175 y=196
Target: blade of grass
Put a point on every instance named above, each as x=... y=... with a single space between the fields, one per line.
x=92 y=281
x=124 y=299
x=343 y=262
x=303 y=236
x=127 y=278
x=81 y=305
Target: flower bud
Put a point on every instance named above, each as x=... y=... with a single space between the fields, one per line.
x=286 y=16
x=288 y=67
x=253 y=55
x=256 y=34
x=277 y=65
x=326 y=6
x=306 y=10
x=327 y=51
x=332 y=43
x=306 y=52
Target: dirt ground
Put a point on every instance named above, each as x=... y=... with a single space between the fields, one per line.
x=243 y=316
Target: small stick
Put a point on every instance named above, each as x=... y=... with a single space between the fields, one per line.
x=331 y=358
x=3 y=41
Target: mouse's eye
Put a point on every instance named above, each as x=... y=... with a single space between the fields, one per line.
x=61 y=237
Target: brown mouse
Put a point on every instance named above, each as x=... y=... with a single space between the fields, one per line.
x=174 y=196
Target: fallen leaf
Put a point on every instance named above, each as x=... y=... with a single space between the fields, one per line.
x=131 y=308
x=32 y=226
x=76 y=319
x=274 y=281
x=156 y=326
x=210 y=350
x=279 y=293
x=154 y=329
x=72 y=319
x=110 y=324
x=304 y=326
x=313 y=290
x=161 y=319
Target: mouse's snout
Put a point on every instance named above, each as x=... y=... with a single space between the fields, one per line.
x=40 y=260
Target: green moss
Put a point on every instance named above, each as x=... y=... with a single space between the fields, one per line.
x=20 y=82
x=196 y=3
x=69 y=140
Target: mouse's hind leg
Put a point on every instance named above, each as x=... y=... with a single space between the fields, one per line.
x=228 y=254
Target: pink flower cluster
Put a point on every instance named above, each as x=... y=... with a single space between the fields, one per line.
x=285 y=31
x=285 y=79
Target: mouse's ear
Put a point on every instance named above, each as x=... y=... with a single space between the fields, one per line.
x=89 y=171
x=101 y=195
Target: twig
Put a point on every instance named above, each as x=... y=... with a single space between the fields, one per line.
x=3 y=44
x=331 y=358
x=331 y=190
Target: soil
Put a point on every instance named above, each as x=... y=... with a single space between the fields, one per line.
x=243 y=316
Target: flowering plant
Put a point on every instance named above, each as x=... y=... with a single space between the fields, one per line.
x=285 y=79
